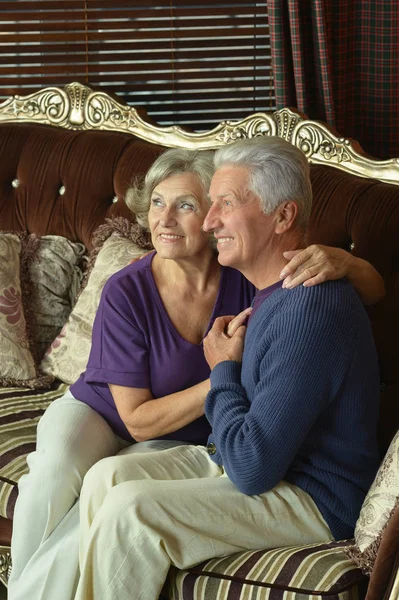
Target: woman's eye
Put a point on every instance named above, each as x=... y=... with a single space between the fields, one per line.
x=156 y=202
x=187 y=206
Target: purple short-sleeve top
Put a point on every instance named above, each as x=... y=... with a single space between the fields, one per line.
x=135 y=344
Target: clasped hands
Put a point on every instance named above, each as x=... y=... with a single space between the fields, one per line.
x=225 y=341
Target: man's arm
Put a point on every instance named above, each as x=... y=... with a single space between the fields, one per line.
x=298 y=365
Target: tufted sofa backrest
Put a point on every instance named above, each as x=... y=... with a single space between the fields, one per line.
x=362 y=215
x=56 y=181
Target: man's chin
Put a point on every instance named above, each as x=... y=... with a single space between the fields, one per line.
x=226 y=259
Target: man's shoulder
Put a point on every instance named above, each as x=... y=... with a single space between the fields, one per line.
x=331 y=302
x=331 y=293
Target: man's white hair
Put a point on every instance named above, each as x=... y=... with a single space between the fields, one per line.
x=278 y=172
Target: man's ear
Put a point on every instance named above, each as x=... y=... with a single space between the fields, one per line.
x=285 y=217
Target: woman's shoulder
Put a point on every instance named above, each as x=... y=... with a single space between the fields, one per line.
x=134 y=276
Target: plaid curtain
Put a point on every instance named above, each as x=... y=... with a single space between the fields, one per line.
x=338 y=61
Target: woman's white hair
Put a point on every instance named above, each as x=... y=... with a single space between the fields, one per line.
x=278 y=172
x=171 y=162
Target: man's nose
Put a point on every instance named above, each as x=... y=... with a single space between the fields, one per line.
x=211 y=219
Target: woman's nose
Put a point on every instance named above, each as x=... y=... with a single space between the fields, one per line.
x=168 y=217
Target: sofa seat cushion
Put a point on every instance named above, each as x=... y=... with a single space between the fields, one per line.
x=20 y=412
x=314 y=572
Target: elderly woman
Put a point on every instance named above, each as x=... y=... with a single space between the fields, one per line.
x=146 y=378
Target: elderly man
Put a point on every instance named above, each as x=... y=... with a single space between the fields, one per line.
x=293 y=411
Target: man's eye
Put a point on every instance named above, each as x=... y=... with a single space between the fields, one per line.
x=156 y=202
x=187 y=206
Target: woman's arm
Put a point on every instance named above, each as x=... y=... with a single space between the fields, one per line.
x=318 y=263
x=146 y=418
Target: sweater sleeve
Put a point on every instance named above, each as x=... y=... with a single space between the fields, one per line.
x=298 y=362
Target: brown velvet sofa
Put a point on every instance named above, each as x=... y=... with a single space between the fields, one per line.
x=67 y=157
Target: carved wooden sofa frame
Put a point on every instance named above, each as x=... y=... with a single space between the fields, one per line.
x=79 y=108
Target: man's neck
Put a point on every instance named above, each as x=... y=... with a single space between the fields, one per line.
x=269 y=276
x=266 y=270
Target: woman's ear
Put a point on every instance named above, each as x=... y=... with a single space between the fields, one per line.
x=286 y=215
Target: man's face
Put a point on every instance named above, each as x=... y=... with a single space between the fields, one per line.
x=240 y=226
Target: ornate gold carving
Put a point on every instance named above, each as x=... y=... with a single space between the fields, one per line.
x=48 y=106
x=253 y=126
x=322 y=146
x=286 y=119
x=313 y=139
x=78 y=107
x=75 y=107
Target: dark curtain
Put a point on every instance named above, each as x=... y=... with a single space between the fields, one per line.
x=338 y=61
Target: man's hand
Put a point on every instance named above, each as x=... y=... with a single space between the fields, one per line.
x=225 y=341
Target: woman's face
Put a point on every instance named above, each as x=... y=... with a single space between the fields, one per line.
x=177 y=211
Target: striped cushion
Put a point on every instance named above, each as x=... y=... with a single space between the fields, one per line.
x=313 y=572
x=20 y=412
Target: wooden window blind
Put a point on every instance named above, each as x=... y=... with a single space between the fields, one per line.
x=189 y=62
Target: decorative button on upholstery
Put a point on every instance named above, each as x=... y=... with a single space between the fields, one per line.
x=211 y=448
x=62 y=190
x=15 y=183
x=114 y=199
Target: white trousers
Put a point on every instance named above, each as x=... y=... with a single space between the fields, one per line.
x=142 y=513
x=71 y=437
x=139 y=512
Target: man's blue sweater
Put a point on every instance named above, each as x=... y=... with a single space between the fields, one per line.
x=303 y=405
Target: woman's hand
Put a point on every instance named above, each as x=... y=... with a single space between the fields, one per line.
x=237 y=321
x=316 y=264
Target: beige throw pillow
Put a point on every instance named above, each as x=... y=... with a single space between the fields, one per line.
x=16 y=361
x=379 y=505
x=67 y=357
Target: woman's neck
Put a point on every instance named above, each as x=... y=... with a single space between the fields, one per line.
x=195 y=273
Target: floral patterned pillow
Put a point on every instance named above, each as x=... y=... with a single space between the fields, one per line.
x=67 y=356
x=55 y=277
x=377 y=509
x=17 y=365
